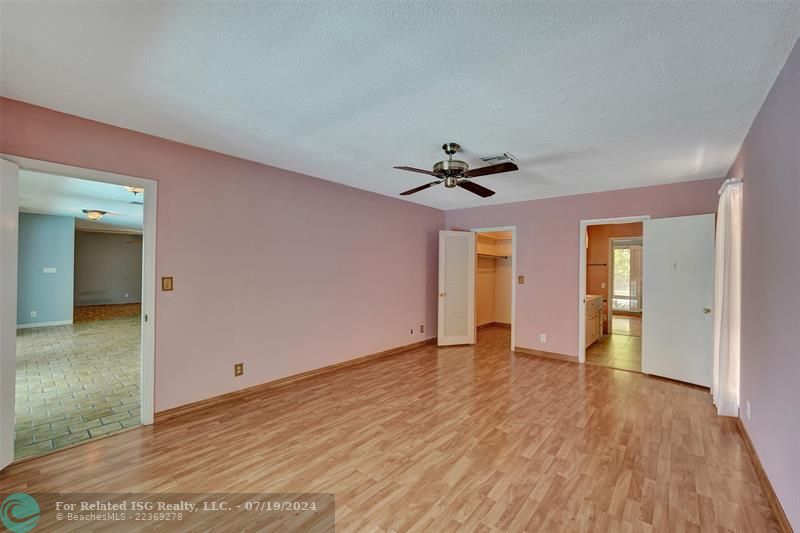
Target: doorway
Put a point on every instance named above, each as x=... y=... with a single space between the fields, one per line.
x=625 y=286
x=461 y=255
x=611 y=292
x=82 y=352
x=495 y=274
x=620 y=343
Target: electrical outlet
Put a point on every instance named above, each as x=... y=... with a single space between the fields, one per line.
x=543 y=337
x=33 y=314
x=603 y=285
x=521 y=280
x=238 y=369
x=412 y=331
x=748 y=409
x=422 y=328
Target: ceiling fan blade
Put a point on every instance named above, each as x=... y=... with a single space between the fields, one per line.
x=480 y=190
x=491 y=169
x=421 y=171
x=420 y=188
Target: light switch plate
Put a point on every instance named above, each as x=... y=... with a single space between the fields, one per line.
x=520 y=279
x=166 y=283
x=49 y=270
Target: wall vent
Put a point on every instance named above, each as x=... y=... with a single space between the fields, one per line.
x=499 y=158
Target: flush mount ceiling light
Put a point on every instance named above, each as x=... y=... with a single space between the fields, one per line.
x=134 y=190
x=94 y=214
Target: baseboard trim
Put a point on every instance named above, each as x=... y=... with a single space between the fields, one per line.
x=173 y=412
x=495 y=325
x=761 y=474
x=548 y=355
x=45 y=324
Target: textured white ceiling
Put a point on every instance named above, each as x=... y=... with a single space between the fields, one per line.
x=589 y=96
x=49 y=194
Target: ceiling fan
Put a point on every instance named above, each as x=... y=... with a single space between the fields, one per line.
x=455 y=173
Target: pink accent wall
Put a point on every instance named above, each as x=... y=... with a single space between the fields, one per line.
x=282 y=271
x=548 y=233
x=769 y=162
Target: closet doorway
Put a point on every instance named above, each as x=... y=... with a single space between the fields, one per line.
x=495 y=275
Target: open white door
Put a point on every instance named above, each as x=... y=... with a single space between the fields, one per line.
x=677 y=325
x=456 y=287
x=9 y=219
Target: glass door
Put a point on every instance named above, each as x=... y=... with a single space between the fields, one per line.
x=627 y=282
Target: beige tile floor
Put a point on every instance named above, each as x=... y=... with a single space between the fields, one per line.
x=626 y=325
x=75 y=383
x=621 y=349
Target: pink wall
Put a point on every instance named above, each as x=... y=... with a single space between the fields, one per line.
x=769 y=162
x=280 y=270
x=548 y=233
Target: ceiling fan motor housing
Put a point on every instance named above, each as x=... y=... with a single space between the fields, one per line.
x=450 y=167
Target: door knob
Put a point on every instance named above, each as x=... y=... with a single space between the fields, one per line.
x=441 y=294
x=707 y=310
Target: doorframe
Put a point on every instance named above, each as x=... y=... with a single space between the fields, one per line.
x=583 y=242
x=150 y=209
x=513 y=230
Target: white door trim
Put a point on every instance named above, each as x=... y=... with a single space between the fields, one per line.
x=9 y=201
x=513 y=230
x=584 y=226
x=148 y=262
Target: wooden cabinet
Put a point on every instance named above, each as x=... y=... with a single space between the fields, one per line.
x=594 y=318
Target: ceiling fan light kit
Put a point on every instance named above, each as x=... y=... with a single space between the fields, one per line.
x=94 y=214
x=455 y=173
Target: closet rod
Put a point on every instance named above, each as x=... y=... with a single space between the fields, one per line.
x=494 y=256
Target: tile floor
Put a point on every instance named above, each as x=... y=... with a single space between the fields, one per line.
x=75 y=383
x=621 y=349
x=626 y=325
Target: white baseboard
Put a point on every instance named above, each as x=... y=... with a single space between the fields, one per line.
x=45 y=324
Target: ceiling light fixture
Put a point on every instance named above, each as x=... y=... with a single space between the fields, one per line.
x=94 y=214
x=134 y=190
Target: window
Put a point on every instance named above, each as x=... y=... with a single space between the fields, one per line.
x=627 y=281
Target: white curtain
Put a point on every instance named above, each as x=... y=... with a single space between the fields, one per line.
x=727 y=299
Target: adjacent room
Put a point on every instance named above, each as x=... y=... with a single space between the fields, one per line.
x=614 y=294
x=78 y=311
x=493 y=279
x=385 y=266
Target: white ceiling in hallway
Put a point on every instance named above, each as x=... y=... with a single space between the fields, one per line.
x=589 y=96
x=51 y=194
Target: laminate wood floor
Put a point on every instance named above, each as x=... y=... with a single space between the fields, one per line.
x=452 y=439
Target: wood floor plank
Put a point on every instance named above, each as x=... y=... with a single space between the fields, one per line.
x=470 y=438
